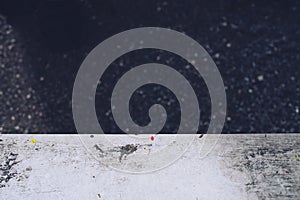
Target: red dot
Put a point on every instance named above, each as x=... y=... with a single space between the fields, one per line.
x=152 y=138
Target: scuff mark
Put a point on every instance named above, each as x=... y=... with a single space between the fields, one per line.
x=124 y=150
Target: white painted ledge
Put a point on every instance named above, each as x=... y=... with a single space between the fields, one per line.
x=243 y=166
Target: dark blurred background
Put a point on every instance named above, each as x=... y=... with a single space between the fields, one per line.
x=255 y=44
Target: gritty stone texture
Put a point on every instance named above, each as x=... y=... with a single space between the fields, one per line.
x=20 y=107
x=271 y=163
x=264 y=167
x=255 y=45
x=8 y=160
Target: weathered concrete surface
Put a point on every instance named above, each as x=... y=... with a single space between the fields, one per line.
x=270 y=161
x=241 y=166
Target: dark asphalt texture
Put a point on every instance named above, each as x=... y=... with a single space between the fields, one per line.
x=255 y=45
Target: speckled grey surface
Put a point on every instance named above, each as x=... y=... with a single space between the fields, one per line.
x=255 y=45
x=21 y=107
